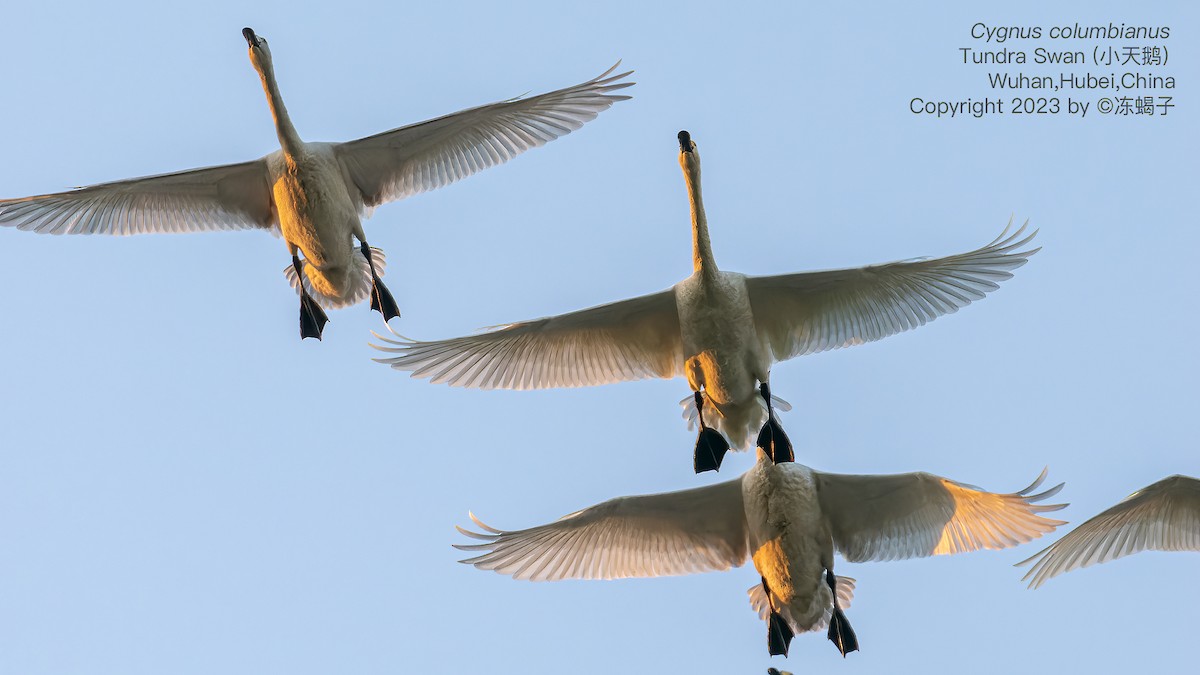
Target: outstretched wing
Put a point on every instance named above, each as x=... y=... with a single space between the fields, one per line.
x=627 y=340
x=1164 y=516
x=403 y=162
x=230 y=197
x=697 y=530
x=914 y=515
x=810 y=312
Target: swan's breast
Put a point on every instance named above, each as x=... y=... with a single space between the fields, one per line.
x=789 y=538
x=316 y=212
x=720 y=343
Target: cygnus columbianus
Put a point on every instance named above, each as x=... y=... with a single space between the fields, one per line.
x=315 y=193
x=788 y=519
x=722 y=330
x=1164 y=516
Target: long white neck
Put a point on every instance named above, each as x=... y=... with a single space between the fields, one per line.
x=702 y=255
x=289 y=140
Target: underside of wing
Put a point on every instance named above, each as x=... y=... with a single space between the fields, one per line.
x=798 y=314
x=420 y=157
x=1164 y=516
x=627 y=340
x=698 y=530
x=913 y=515
x=231 y=197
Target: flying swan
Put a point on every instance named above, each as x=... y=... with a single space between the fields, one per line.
x=785 y=517
x=314 y=194
x=722 y=330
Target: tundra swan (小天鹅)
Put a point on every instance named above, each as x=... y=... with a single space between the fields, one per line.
x=722 y=330
x=787 y=518
x=1163 y=516
x=315 y=194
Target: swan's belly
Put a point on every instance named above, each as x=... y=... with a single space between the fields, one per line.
x=317 y=215
x=720 y=344
x=789 y=541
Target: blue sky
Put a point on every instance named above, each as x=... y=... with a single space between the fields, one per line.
x=186 y=487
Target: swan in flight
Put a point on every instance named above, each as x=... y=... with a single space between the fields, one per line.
x=1164 y=516
x=315 y=194
x=785 y=517
x=722 y=330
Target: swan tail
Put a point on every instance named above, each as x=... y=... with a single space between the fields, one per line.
x=358 y=285
x=739 y=424
x=761 y=605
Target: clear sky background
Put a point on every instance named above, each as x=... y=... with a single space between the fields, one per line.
x=186 y=487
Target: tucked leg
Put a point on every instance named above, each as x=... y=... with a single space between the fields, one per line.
x=381 y=299
x=840 y=632
x=312 y=317
x=771 y=437
x=779 y=633
x=711 y=446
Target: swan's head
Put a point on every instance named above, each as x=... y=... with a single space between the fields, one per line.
x=260 y=52
x=686 y=144
x=689 y=157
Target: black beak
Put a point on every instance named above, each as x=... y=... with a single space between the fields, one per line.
x=251 y=39
x=685 y=139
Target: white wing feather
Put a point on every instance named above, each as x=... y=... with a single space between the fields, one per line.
x=230 y=197
x=698 y=530
x=384 y=167
x=919 y=514
x=627 y=340
x=809 y=312
x=1164 y=516
x=406 y=161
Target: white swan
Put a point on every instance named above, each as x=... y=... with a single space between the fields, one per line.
x=314 y=193
x=1164 y=516
x=788 y=519
x=722 y=330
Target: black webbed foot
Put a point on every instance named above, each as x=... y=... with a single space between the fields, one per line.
x=779 y=635
x=381 y=298
x=312 y=317
x=841 y=634
x=711 y=447
x=775 y=443
x=771 y=437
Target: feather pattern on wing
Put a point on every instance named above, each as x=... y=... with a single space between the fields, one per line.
x=698 y=530
x=413 y=159
x=1164 y=516
x=627 y=340
x=912 y=515
x=810 y=312
x=230 y=197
